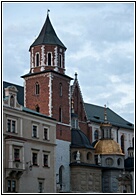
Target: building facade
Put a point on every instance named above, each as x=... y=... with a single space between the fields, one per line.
x=74 y=163
x=29 y=142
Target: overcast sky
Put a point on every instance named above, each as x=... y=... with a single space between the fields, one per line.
x=100 y=47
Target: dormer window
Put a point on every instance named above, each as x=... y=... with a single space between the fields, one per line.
x=12 y=101
x=49 y=59
x=37 y=60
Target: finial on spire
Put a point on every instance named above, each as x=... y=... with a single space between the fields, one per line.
x=48 y=12
x=76 y=76
x=105 y=114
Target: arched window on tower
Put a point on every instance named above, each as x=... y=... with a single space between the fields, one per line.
x=12 y=101
x=49 y=59
x=60 y=114
x=37 y=108
x=37 y=88
x=60 y=60
x=60 y=89
x=37 y=60
x=122 y=143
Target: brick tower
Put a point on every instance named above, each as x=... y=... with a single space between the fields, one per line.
x=47 y=88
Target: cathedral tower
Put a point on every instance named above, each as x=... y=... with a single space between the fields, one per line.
x=47 y=88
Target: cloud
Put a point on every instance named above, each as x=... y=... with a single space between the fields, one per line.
x=100 y=47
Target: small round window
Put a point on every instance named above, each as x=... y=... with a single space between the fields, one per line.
x=109 y=161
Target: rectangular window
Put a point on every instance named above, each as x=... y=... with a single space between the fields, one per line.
x=34 y=131
x=11 y=186
x=46 y=133
x=34 y=158
x=16 y=154
x=45 y=160
x=40 y=187
x=11 y=126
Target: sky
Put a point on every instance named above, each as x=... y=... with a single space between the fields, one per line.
x=100 y=47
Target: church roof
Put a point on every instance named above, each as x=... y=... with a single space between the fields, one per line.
x=47 y=35
x=96 y=114
x=107 y=146
x=79 y=139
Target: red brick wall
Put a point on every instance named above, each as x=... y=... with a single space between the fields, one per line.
x=79 y=109
x=42 y=100
x=63 y=132
x=61 y=101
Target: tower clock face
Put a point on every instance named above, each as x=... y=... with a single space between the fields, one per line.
x=109 y=161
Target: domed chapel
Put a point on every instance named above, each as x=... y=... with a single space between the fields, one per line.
x=92 y=142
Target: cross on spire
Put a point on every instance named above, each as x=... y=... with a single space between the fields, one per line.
x=48 y=12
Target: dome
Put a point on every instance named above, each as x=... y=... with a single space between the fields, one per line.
x=79 y=139
x=106 y=146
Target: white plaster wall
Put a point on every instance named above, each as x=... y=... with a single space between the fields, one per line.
x=63 y=158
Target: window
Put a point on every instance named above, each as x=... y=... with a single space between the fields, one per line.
x=119 y=161
x=40 y=187
x=74 y=123
x=12 y=102
x=60 y=60
x=35 y=131
x=49 y=59
x=37 y=108
x=11 y=186
x=35 y=158
x=45 y=160
x=11 y=125
x=122 y=143
x=109 y=161
x=60 y=89
x=61 y=171
x=89 y=156
x=60 y=114
x=46 y=133
x=37 y=59
x=96 y=135
x=16 y=154
x=37 y=89
x=133 y=142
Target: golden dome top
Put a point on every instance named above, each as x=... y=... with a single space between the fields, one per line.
x=107 y=146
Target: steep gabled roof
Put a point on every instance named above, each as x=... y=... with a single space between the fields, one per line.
x=47 y=35
x=76 y=84
x=96 y=114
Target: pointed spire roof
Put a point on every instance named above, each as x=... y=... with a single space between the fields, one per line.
x=48 y=35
